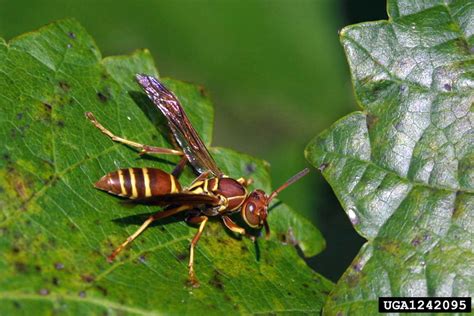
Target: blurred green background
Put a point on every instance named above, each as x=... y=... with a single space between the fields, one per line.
x=274 y=69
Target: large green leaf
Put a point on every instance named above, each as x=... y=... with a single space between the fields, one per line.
x=56 y=229
x=403 y=167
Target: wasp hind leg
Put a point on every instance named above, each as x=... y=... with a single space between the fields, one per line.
x=178 y=169
x=201 y=220
x=151 y=219
x=144 y=149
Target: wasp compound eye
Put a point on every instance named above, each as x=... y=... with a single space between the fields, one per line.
x=251 y=214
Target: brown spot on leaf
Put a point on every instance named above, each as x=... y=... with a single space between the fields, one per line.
x=7 y=157
x=227 y=298
x=282 y=238
x=389 y=246
x=323 y=166
x=142 y=259
x=416 y=241
x=463 y=45
x=72 y=226
x=290 y=237
x=48 y=107
x=87 y=278
x=371 y=120
x=102 y=290
x=43 y=292
x=64 y=86
x=182 y=256
x=357 y=267
x=244 y=248
x=102 y=97
x=216 y=281
x=353 y=279
x=250 y=168
x=17 y=183
x=20 y=267
x=202 y=91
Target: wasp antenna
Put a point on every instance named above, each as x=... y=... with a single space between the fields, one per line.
x=290 y=181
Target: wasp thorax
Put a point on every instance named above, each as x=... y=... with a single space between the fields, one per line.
x=254 y=209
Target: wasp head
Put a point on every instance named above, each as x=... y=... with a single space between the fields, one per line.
x=255 y=207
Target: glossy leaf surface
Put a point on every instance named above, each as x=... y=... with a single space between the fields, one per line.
x=403 y=167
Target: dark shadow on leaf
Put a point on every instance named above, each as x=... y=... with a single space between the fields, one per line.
x=138 y=219
x=237 y=218
x=157 y=159
x=257 y=250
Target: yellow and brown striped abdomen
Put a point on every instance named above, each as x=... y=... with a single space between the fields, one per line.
x=136 y=183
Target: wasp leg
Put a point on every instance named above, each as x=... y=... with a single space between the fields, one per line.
x=201 y=177
x=151 y=219
x=245 y=182
x=231 y=225
x=202 y=220
x=178 y=169
x=144 y=149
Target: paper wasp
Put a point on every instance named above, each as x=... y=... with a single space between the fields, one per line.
x=212 y=193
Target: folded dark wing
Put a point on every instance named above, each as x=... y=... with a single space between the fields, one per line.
x=184 y=133
x=191 y=199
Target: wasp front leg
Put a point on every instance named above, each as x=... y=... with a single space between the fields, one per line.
x=201 y=220
x=144 y=149
x=231 y=225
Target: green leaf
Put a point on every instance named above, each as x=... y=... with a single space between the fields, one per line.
x=56 y=229
x=403 y=167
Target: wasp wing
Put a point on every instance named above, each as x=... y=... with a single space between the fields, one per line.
x=181 y=198
x=184 y=133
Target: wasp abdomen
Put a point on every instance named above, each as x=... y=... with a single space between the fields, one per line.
x=136 y=183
